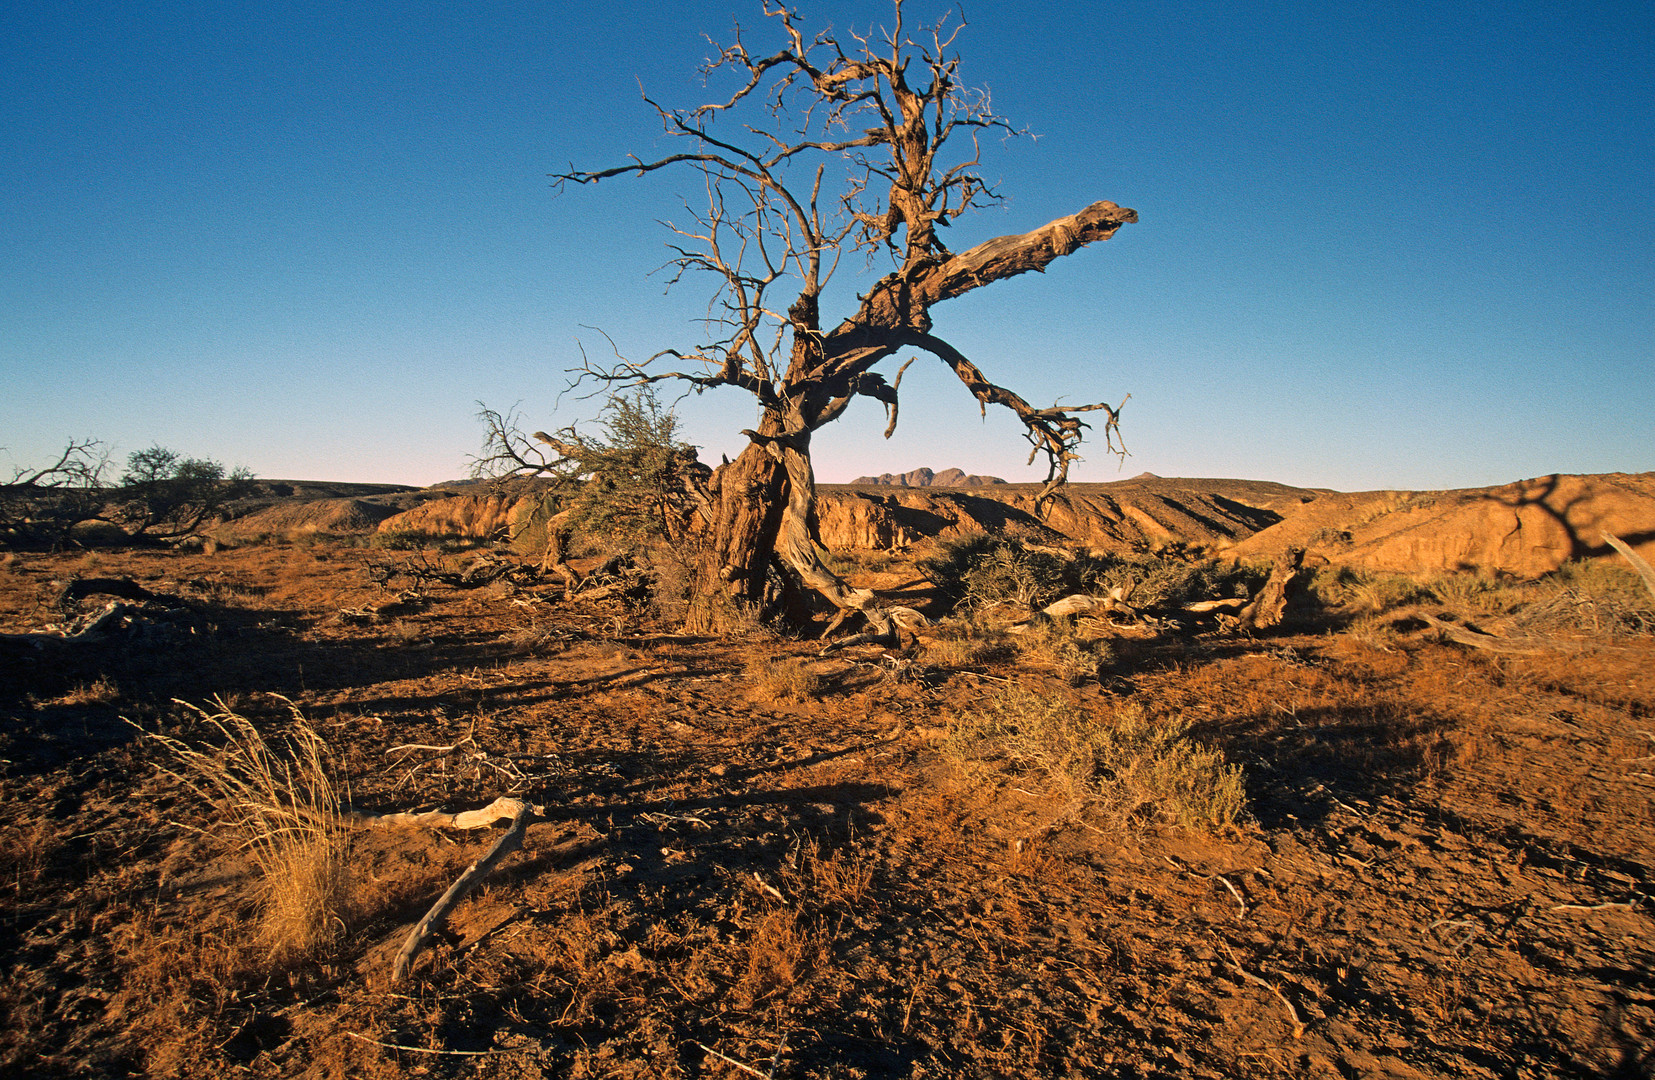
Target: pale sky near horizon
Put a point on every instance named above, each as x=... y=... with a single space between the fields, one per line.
x=1400 y=245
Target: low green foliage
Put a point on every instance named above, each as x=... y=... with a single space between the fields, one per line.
x=167 y=496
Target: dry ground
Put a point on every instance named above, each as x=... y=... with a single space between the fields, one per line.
x=1448 y=867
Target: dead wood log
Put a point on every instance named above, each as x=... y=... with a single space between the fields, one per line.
x=522 y=815
x=1463 y=635
x=1270 y=605
x=90 y=629
x=1207 y=607
x=885 y=627
x=1639 y=563
x=124 y=588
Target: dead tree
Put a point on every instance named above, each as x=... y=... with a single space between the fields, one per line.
x=42 y=507
x=832 y=146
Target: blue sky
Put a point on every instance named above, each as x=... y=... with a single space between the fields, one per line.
x=1382 y=245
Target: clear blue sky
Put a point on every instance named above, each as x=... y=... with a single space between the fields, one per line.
x=1382 y=245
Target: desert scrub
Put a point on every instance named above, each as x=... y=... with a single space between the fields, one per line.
x=1592 y=595
x=781 y=678
x=1058 y=644
x=283 y=804
x=1363 y=591
x=964 y=645
x=1131 y=767
x=1473 y=594
x=981 y=571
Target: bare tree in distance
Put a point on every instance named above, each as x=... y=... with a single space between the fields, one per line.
x=833 y=146
x=42 y=506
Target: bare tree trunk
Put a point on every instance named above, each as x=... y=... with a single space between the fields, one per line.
x=761 y=509
x=747 y=498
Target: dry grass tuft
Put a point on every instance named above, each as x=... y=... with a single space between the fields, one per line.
x=1057 y=643
x=781 y=954
x=838 y=878
x=1130 y=766
x=967 y=645
x=285 y=806
x=781 y=678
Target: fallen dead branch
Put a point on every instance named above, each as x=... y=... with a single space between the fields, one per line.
x=1610 y=906
x=1639 y=563
x=522 y=815
x=1514 y=646
x=1179 y=864
x=775 y=1060
x=425 y=1049
x=1293 y=1014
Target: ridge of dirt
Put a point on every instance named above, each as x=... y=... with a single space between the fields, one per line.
x=1524 y=529
x=1447 y=872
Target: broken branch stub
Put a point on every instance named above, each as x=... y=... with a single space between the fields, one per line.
x=522 y=815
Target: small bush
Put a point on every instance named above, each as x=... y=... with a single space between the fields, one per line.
x=1132 y=767
x=981 y=571
x=965 y=645
x=1603 y=579
x=1364 y=591
x=397 y=541
x=1056 y=642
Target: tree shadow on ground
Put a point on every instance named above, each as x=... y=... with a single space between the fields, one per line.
x=1301 y=765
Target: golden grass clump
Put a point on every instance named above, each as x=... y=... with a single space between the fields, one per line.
x=781 y=678
x=285 y=806
x=1128 y=765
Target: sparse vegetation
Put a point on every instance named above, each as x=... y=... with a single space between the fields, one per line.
x=166 y=496
x=42 y=506
x=1128 y=766
x=857 y=862
x=982 y=571
x=284 y=806
x=781 y=678
x=1058 y=643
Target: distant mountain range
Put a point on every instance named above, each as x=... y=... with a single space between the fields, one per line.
x=927 y=478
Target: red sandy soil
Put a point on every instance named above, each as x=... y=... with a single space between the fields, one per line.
x=1446 y=870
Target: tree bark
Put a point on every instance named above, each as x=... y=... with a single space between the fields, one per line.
x=747 y=497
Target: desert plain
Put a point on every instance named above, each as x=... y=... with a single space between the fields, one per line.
x=1404 y=832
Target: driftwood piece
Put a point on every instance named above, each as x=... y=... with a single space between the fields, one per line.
x=1207 y=607
x=885 y=627
x=93 y=628
x=1270 y=605
x=1512 y=646
x=521 y=814
x=1639 y=563
x=1113 y=604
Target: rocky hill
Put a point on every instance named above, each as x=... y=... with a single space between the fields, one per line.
x=926 y=478
x=1523 y=529
x=1128 y=515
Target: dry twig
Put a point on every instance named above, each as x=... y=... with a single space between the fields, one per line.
x=1293 y=1014
x=522 y=815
